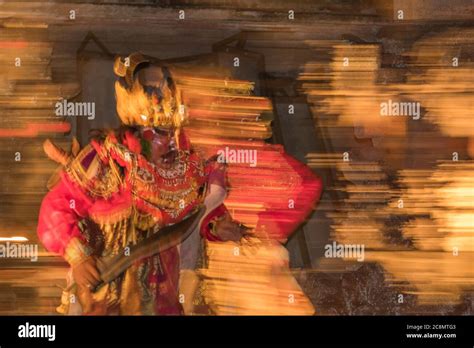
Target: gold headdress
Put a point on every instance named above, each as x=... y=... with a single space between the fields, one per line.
x=136 y=107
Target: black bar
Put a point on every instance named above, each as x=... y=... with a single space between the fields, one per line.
x=196 y=330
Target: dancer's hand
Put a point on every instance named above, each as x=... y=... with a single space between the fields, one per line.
x=229 y=230
x=86 y=273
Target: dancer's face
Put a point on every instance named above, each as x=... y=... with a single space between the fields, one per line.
x=162 y=140
x=163 y=145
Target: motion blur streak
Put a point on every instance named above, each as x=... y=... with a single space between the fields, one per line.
x=252 y=278
x=407 y=184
